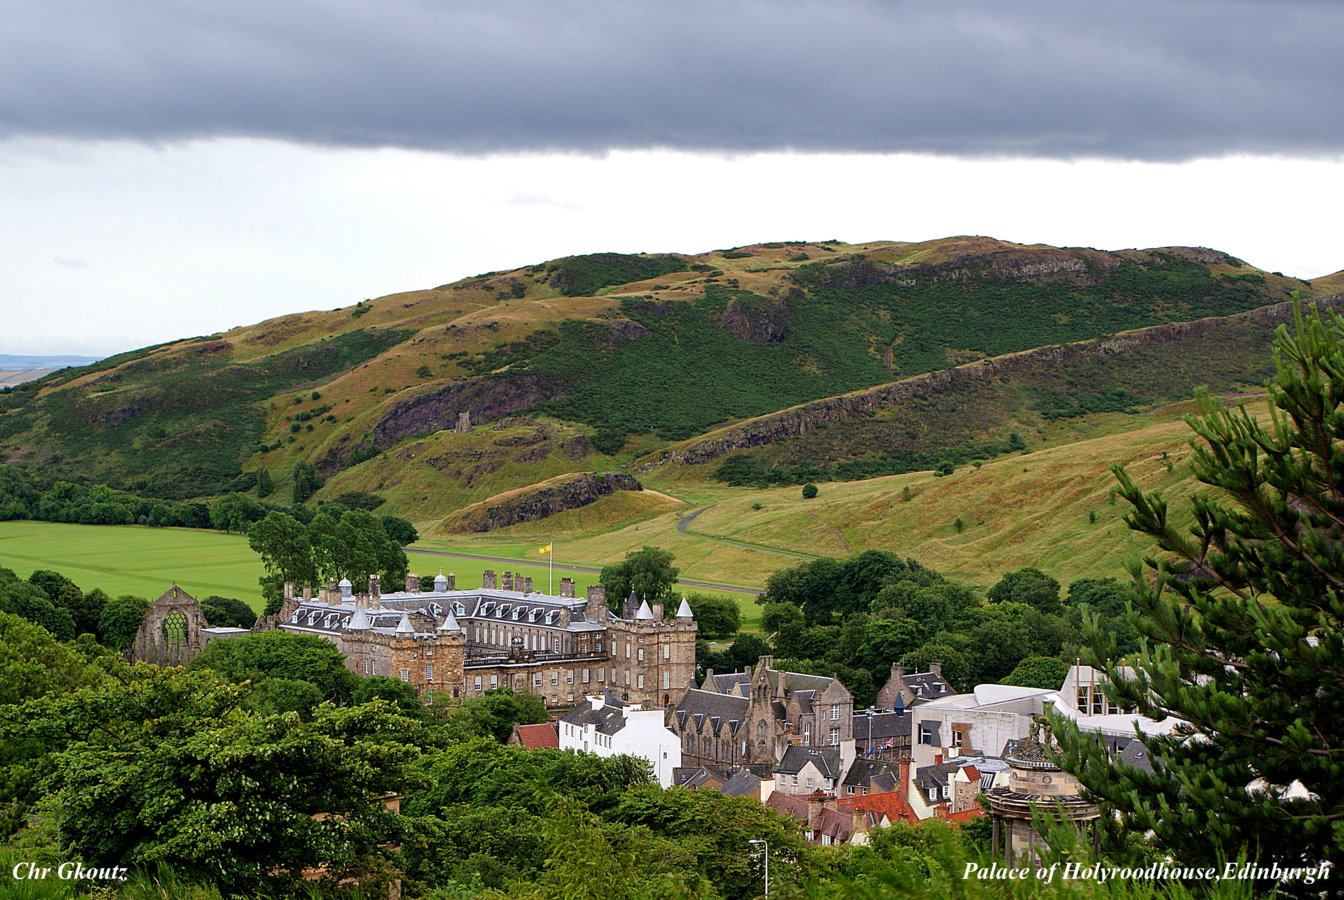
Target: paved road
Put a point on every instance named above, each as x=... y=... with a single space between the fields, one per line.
x=541 y=565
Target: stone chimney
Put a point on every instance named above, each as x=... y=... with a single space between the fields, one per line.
x=508 y=581
x=288 y=591
x=524 y=584
x=412 y=583
x=307 y=592
x=375 y=590
x=566 y=587
x=936 y=667
x=595 y=610
x=818 y=802
x=451 y=578
x=860 y=821
x=657 y=612
x=488 y=580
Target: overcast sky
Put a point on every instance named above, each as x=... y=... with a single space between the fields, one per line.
x=176 y=168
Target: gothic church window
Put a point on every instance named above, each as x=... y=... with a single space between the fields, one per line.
x=175 y=628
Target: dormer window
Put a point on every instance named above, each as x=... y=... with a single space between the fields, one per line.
x=486 y=609
x=503 y=610
x=535 y=615
x=552 y=616
x=519 y=613
x=459 y=609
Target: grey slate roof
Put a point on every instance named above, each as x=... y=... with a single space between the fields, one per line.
x=607 y=719
x=827 y=761
x=881 y=725
x=703 y=707
x=863 y=771
x=742 y=784
x=935 y=776
x=927 y=686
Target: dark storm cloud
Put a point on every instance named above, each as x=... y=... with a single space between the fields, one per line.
x=1157 y=79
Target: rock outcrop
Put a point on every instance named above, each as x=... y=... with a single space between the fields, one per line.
x=538 y=501
x=799 y=420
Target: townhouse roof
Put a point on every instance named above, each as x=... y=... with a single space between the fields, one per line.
x=826 y=759
x=538 y=737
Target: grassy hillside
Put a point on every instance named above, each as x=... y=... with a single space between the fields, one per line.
x=613 y=356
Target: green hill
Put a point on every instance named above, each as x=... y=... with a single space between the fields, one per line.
x=613 y=357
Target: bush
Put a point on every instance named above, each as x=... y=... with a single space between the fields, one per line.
x=809 y=491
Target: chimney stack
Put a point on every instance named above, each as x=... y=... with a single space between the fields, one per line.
x=566 y=587
x=507 y=584
x=936 y=667
x=524 y=584
x=488 y=581
x=412 y=583
x=595 y=610
x=375 y=589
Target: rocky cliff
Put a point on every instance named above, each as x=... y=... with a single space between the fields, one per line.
x=538 y=501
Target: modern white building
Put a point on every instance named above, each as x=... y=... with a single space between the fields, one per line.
x=608 y=727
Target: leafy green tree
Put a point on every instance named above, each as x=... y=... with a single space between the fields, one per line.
x=746 y=650
x=399 y=693
x=956 y=669
x=809 y=491
x=273 y=696
x=716 y=616
x=285 y=548
x=306 y=482
x=1030 y=586
x=1109 y=601
x=648 y=572
x=121 y=619
x=227 y=612
x=34 y=664
x=399 y=530
x=29 y=602
x=265 y=483
x=235 y=512
x=778 y=616
x=1241 y=613
x=279 y=654
x=718 y=828
x=65 y=594
x=166 y=766
x=495 y=713
x=885 y=641
x=1039 y=672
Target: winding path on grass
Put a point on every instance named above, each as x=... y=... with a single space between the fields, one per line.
x=730 y=588
x=684 y=521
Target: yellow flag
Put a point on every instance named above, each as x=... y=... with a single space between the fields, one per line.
x=546 y=549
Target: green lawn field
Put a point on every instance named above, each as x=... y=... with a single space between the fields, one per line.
x=132 y=559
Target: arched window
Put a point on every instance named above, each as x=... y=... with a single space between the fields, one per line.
x=175 y=628
x=760 y=731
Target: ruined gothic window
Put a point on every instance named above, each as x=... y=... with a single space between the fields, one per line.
x=175 y=628
x=760 y=730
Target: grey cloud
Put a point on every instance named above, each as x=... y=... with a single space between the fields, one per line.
x=1154 y=79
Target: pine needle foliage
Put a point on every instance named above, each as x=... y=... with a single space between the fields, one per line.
x=1241 y=620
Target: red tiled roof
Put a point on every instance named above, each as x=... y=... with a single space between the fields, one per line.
x=965 y=815
x=890 y=803
x=538 y=737
x=787 y=805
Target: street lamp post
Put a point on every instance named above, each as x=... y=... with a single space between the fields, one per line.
x=765 y=850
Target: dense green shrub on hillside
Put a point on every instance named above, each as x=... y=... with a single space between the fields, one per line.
x=182 y=424
x=583 y=276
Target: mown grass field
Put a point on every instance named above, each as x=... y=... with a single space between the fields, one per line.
x=130 y=559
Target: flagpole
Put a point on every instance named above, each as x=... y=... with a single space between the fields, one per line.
x=550 y=569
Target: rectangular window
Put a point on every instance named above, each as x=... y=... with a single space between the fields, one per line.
x=429 y=671
x=835 y=711
x=667 y=651
x=639 y=654
x=601 y=675
x=536 y=679
x=555 y=676
x=405 y=674
x=835 y=736
x=807 y=732
x=429 y=653
x=585 y=676
x=569 y=677
x=476 y=682
x=639 y=681
x=925 y=734
x=494 y=681
x=667 y=679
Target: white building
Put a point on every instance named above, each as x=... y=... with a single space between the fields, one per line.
x=608 y=727
x=979 y=723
